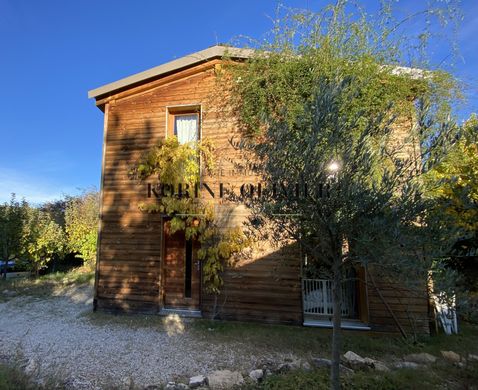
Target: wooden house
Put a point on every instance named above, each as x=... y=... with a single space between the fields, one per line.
x=142 y=268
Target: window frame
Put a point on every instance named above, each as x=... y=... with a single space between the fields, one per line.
x=188 y=109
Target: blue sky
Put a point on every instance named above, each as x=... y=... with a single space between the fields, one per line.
x=53 y=52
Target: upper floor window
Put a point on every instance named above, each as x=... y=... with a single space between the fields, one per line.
x=186 y=127
x=184 y=123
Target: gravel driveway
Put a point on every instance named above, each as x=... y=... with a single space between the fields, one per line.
x=59 y=336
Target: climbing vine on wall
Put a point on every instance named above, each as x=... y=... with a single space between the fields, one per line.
x=181 y=164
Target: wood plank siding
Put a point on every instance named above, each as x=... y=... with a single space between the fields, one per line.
x=130 y=247
x=132 y=274
x=409 y=307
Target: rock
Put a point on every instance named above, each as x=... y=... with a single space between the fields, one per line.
x=267 y=364
x=451 y=356
x=77 y=384
x=352 y=357
x=224 y=379
x=291 y=365
x=176 y=386
x=421 y=358
x=282 y=368
x=357 y=362
x=256 y=375
x=376 y=365
x=411 y=365
x=197 y=381
x=321 y=362
x=379 y=366
x=153 y=387
x=473 y=358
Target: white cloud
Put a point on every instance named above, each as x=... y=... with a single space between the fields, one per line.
x=33 y=189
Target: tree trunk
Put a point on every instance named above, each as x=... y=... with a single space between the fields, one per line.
x=5 y=252
x=337 y=317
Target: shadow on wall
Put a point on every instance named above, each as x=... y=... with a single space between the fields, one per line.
x=130 y=240
x=266 y=288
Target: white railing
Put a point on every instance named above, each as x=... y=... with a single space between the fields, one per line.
x=317 y=298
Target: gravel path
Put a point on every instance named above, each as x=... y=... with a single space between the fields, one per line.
x=58 y=336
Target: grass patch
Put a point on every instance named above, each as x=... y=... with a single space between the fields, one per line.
x=317 y=341
x=45 y=285
x=12 y=378
x=313 y=341
x=75 y=276
x=439 y=376
x=308 y=342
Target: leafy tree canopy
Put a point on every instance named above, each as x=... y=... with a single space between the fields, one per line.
x=42 y=239
x=454 y=182
x=81 y=225
x=326 y=103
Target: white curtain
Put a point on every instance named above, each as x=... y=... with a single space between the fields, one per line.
x=186 y=128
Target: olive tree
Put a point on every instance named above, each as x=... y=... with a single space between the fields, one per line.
x=325 y=105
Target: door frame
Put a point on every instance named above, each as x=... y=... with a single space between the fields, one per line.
x=195 y=261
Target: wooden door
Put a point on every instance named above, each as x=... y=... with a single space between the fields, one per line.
x=181 y=272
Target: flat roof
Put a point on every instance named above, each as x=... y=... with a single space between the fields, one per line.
x=216 y=51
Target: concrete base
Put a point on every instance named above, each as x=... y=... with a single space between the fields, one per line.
x=186 y=313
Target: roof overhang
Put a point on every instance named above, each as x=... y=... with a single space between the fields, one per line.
x=213 y=52
x=170 y=67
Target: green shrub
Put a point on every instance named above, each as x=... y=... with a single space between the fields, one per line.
x=12 y=378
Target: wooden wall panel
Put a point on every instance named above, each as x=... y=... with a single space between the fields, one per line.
x=130 y=247
x=409 y=307
x=266 y=288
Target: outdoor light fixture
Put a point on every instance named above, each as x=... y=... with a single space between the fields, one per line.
x=333 y=167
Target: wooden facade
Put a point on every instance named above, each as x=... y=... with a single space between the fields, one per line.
x=141 y=267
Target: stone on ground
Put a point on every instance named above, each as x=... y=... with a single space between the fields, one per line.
x=176 y=386
x=356 y=361
x=451 y=356
x=352 y=357
x=411 y=365
x=197 y=381
x=321 y=362
x=379 y=366
x=473 y=358
x=224 y=379
x=291 y=365
x=421 y=358
x=327 y=363
x=256 y=375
